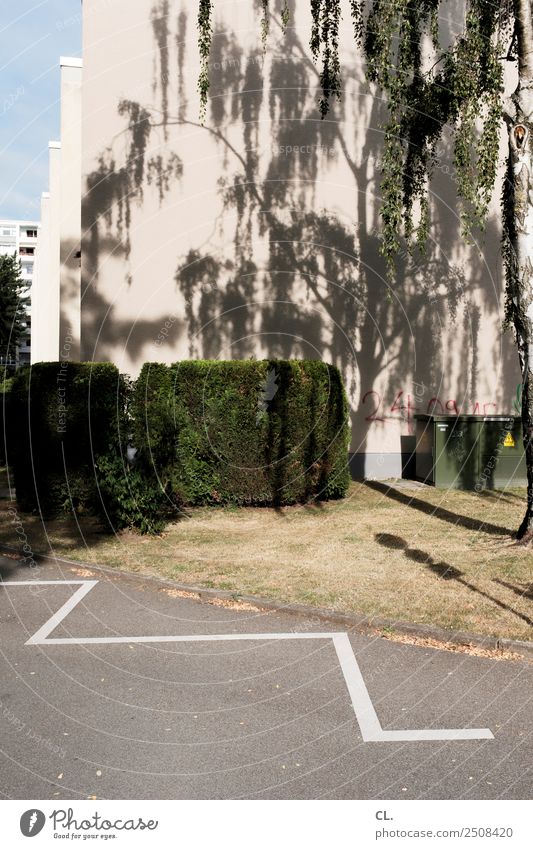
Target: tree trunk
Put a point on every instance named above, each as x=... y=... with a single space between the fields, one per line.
x=520 y=218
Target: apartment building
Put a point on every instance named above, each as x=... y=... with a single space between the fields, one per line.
x=57 y=302
x=256 y=233
x=20 y=238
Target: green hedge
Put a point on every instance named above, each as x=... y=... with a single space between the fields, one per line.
x=68 y=416
x=242 y=432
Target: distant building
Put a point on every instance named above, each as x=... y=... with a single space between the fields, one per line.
x=58 y=291
x=20 y=238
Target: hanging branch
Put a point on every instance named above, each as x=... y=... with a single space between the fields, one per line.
x=285 y=17
x=205 y=34
x=265 y=23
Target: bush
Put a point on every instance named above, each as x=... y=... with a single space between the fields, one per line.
x=68 y=416
x=270 y=432
x=128 y=498
x=242 y=432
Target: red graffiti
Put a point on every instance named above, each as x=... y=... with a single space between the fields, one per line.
x=373 y=416
x=405 y=406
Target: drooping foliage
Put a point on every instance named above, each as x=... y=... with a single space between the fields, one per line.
x=461 y=89
x=205 y=33
x=430 y=86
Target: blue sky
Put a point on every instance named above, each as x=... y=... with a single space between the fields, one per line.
x=33 y=35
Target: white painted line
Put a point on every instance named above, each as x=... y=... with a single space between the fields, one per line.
x=175 y=638
x=41 y=583
x=40 y=636
x=434 y=734
x=369 y=724
x=361 y=702
x=367 y=718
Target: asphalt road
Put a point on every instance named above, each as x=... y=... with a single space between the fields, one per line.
x=109 y=701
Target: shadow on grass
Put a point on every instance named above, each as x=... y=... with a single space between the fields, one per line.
x=447 y=572
x=285 y=510
x=438 y=512
x=521 y=590
x=500 y=495
x=26 y=533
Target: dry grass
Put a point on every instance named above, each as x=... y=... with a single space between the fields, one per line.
x=413 y=553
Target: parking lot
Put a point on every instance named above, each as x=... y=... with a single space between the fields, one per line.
x=118 y=687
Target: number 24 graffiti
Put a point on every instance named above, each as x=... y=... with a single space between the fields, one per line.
x=405 y=406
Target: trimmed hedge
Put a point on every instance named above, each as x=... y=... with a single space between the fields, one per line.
x=68 y=416
x=205 y=432
x=242 y=432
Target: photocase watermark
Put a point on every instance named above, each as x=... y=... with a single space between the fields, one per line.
x=30 y=733
x=65 y=819
x=32 y=822
x=323 y=149
x=165 y=330
x=16 y=521
x=267 y=393
x=504 y=435
x=62 y=383
x=11 y=99
x=234 y=63
x=96 y=7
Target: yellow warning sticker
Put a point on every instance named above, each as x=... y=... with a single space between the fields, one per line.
x=508 y=442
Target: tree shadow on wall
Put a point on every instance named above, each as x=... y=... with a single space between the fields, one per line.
x=299 y=281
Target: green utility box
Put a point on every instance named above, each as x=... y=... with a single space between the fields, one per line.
x=470 y=452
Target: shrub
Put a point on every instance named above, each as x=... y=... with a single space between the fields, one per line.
x=242 y=432
x=270 y=432
x=129 y=499
x=68 y=415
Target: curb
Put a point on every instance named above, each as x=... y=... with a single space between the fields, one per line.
x=354 y=621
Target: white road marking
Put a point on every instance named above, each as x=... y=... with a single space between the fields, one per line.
x=40 y=636
x=367 y=718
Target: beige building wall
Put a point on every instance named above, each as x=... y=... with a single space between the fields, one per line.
x=39 y=296
x=257 y=234
x=70 y=222
x=57 y=291
x=52 y=350
x=46 y=294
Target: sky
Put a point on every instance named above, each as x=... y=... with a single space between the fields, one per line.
x=33 y=35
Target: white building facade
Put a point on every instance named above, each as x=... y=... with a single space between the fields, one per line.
x=257 y=232
x=57 y=298
x=21 y=238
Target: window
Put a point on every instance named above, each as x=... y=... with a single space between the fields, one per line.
x=8 y=231
x=31 y=234
x=27 y=251
x=27 y=267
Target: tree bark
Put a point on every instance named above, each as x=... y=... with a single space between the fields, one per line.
x=521 y=229
x=520 y=221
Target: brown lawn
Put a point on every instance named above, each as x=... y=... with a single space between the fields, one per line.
x=395 y=550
